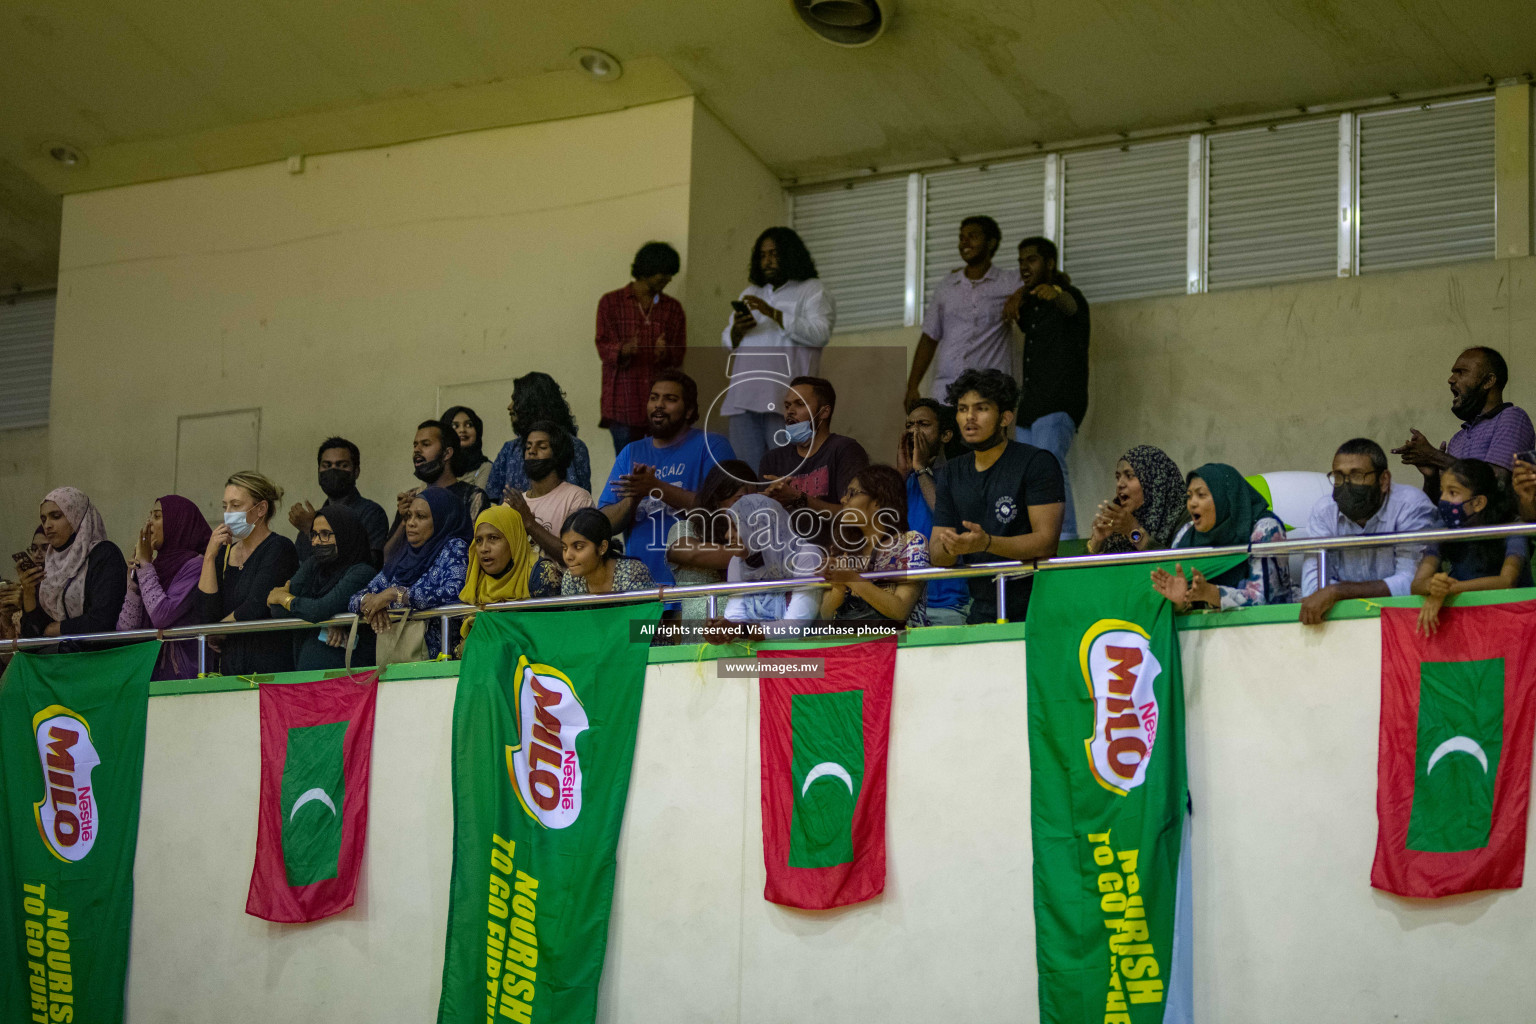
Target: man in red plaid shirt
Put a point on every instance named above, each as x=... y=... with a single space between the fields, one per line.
x=639 y=331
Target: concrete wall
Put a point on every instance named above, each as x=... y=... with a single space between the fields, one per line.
x=1275 y=378
x=23 y=482
x=352 y=298
x=1282 y=753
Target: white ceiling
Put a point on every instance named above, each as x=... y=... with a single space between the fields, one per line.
x=159 y=88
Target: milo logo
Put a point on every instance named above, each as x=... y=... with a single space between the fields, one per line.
x=67 y=816
x=544 y=767
x=1118 y=666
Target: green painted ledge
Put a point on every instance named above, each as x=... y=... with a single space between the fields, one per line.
x=933 y=636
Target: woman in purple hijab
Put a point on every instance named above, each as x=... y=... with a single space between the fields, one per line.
x=166 y=564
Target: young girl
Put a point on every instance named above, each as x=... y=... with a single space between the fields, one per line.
x=1470 y=495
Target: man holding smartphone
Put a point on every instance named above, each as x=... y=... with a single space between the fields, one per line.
x=779 y=325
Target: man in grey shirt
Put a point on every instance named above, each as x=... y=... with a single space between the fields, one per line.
x=1363 y=501
x=964 y=320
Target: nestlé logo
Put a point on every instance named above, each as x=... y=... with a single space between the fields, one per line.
x=67 y=816
x=544 y=767
x=1118 y=666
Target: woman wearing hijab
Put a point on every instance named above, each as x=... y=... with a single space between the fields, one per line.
x=426 y=571
x=1225 y=511
x=243 y=562
x=80 y=588
x=500 y=562
x=1148 y=506
x=469 y=461
x=162 y=581
x=338 y=566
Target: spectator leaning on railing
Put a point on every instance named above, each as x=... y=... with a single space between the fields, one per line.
x=1001 y=500
x=243 y=562
x=1364 y=501
x=82 y=588
x=1225 y=511
x=1471 y=494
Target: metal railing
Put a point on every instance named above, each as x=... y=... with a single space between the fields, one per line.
x=1001 y=572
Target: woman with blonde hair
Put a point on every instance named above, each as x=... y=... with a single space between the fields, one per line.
x=244 y=561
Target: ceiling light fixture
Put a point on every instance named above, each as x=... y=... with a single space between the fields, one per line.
x=604 y=67
x=845 y=22
x=65 y=154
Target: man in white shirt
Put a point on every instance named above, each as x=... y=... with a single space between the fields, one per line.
x=964 y=321
x=1363 y=501
x=781 y=323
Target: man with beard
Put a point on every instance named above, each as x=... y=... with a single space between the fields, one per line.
x=812 y=470
x=432 y=454
x=781 y=323
x=1000 y=502
x=657 y=476
x=1363 y=501
x=964 y=321
x=340 y=466
x=1492 y=429
x=1053 y=394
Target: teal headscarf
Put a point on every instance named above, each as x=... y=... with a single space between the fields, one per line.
x=1238 y=508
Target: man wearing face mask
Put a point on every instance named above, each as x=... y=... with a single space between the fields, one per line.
x=432 y=454
x=1364 y=501
x=340 y=466
x=812 y=468
x=1492 y=429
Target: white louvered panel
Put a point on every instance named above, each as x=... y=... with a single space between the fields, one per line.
x=1124 y=220
x=858 y=237
x=1270 y=206
x=1426 y=186
x=26 y=360
x=1011 y=194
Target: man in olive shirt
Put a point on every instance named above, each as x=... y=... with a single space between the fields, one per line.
x=1053 y=396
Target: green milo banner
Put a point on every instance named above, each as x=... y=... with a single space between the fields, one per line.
x=1108 y=791
x=71 y=764
x=543 y=735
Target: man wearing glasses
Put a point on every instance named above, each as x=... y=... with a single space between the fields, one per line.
x=1363 y=502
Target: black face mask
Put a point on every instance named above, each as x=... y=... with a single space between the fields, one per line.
x=336 y=483
x=428 y=472
x=983 y=445
x=323 y=553
x=538 y=469
x=1358 y=501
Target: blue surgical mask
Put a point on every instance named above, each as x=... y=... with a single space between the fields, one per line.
x=1454 y=514
x=799 y=433
x=239 y=527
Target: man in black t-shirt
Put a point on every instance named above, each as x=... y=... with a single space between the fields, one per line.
x=812 y=471
x=1053 y=397
x=1001 y=501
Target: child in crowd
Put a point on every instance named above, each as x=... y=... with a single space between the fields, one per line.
x=1470 y=495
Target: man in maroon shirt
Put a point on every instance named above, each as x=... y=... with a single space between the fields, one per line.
x=639 y=331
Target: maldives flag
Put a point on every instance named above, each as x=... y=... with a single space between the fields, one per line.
x=1454 y=764
x=823 y=789
x=316 y=747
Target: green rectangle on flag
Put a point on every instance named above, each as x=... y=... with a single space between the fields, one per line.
x=314 y=790
x=828 y=771
x=1461 y=732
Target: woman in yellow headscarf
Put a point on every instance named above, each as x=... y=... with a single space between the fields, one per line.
x=500 y=559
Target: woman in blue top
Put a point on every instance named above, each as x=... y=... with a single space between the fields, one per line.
x=428 y=571
x=1470 y=495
